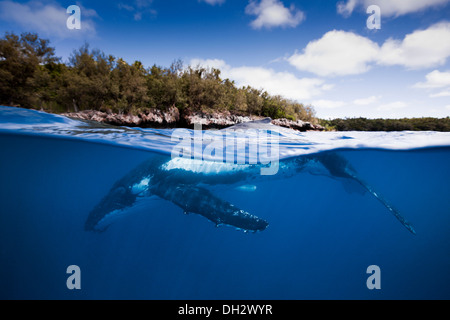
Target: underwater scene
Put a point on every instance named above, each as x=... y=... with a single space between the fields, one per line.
x=140 y=221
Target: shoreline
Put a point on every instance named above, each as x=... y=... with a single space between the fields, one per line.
x=172 y=118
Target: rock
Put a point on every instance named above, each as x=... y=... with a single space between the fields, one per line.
x=171 y=118
x=151 y=118
x=214 y=120
x=298 y=125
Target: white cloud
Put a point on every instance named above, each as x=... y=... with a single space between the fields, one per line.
x=276 y=83
x=327 y=104
x=366 y=101
x=273 y=13
x=125 y=7
x=46 y=19
x=346 y=8
x=213 y=2
x=210 y=63
x=143 y=3
x=340 y=53
x=392 y=106
x=447 y=107
x=390 y=7
x=420 y=49
x=138 y=8
x=337 y=53
x=441 y=94
x=436 y=80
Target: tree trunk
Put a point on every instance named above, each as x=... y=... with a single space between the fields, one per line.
x=75 y=107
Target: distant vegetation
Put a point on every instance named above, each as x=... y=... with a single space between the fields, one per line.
x=32 y=77
x=363 y=124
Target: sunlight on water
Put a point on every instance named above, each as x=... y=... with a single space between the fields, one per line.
x=291 y=143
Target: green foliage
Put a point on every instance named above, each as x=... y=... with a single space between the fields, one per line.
x=21 y=72
x=363 y=124
x=32 y=77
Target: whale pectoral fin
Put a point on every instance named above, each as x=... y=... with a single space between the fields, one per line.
x=198 y=200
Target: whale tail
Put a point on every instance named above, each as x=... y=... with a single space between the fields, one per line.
x=380 y=198
x=339 y=167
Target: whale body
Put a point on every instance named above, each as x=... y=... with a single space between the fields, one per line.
x=152 y=178
x=182 y=180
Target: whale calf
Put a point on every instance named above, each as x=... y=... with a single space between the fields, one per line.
x=152 y=178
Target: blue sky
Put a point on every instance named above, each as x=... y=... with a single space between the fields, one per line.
x=316 y=52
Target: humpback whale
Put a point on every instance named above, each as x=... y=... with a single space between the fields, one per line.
x=182 y=180
x=153 y=178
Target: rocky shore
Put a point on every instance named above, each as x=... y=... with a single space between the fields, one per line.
x=172 y=118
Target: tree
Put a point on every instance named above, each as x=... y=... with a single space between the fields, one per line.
x=86 y=84
x=130 y=90
x=32 y=77
x=20 y=58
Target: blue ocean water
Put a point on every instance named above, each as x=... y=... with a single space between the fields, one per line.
x=322 y=235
